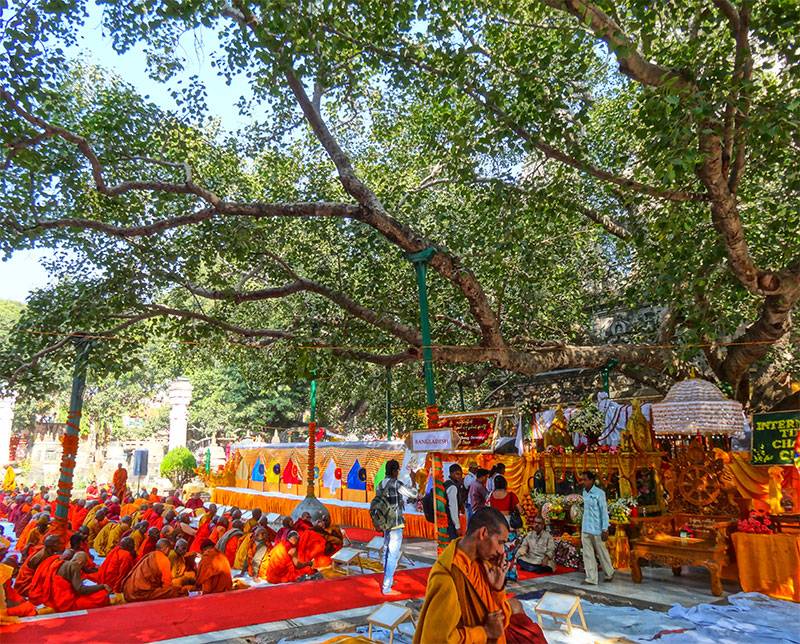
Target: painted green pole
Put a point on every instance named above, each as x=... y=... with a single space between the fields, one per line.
x=388 y=403
x=606 y=372
x=71 y=435
x=420 y=261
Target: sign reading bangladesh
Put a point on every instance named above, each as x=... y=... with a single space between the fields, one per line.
x=773 y=437
x=476 y=430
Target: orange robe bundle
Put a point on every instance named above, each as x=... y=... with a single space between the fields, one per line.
x=311 y=547
x=64 y=598
x=115 y=568
x=280 y=568
x=148 y=545
x=150 y=578
x=214 y=572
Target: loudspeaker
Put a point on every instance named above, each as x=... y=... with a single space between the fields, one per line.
x=140 y=462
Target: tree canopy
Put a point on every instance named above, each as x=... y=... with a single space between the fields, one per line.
x=563 y=157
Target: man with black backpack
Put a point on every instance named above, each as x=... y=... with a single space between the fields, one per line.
x=386 y=510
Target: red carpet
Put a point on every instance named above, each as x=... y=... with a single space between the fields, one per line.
x=168 y=618
x=560 y=570
x=361 y=534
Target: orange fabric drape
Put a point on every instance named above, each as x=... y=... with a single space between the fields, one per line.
x=416 y=525
x=769 y=564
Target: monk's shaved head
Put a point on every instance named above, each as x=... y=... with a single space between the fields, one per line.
x=126 y=520
x=181 y=546
x=163 y=545
x=153 y=532
x=52 y=542
x=126 y=543
x=80 y=558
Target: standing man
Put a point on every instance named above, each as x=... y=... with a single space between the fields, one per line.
x=120 y=481
x=594 y=530
x=478 y=493
x=396 y=492
x=456 y=499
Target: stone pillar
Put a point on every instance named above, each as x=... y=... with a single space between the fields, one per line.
x=180 y=395
x=6 y=419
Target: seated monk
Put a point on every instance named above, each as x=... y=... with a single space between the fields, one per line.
x=218 y=529
x=194 y=502
x=184 y=526
x=284 y=531
x=143 y=514
x=334 y=539
x=151 y=577
x=80 y=541
x=36 y=535
x=259 y=553
x=41 y=589
x=117 y=565
x=79 y=514
x=96 y=524
x=283 y=565
x=93 y=508
x=25 y=529
x=15 y=604
x=228 y=543
x=52 y=546
x=153 y=496
x=156 y=518
x=110 y=535
x=149 y=543
x=181 y=574
x=303 y=523
x=114 y=508
x=465 y=600
x=69 y=592
x=213 y=571
x=252 y=522
x=138 y=533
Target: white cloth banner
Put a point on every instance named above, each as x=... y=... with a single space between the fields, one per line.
x=329 y=479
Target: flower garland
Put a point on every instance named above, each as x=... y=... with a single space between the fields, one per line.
x=756 y=524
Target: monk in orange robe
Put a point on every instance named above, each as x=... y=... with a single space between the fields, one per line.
x=203 y=533
x=117 y=565
x=156 y=518
x=52 y=545
x=69 y=592
x=148 y=543
x=153 y=497
x=214 y=571
x=16 y=604
x=283 y=565
x=120 y=481
x=229 y=542
x=311 y=547
x=303 y=523
x=35 y=536
x=41 y=588
x=151 y=577
x=79 y=515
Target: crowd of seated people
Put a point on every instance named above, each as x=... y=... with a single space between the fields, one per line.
x=119 y=547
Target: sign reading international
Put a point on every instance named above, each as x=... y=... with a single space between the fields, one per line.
x=476 y=430
x=773 y=437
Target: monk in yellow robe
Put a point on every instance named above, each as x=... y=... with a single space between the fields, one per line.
x=151 y=577
x=110 y=535
x=252 y=522
x=465 y=600
x=283 y=565
x=181 y=575
x=96 y=524
x=92 y=511
x=214 y=570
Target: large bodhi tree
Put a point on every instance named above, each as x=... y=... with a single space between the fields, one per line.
x=650 y=149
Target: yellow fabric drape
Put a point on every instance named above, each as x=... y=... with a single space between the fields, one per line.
x=416 y=525
x=769 y=564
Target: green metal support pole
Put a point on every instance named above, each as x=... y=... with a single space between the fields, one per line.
x=388 y=403
x=72 y=434
x=606 y=372
x=314 y=401
x=420 y=261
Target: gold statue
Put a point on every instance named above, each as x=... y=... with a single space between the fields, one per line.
x=557 y=434
x=639 y=429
